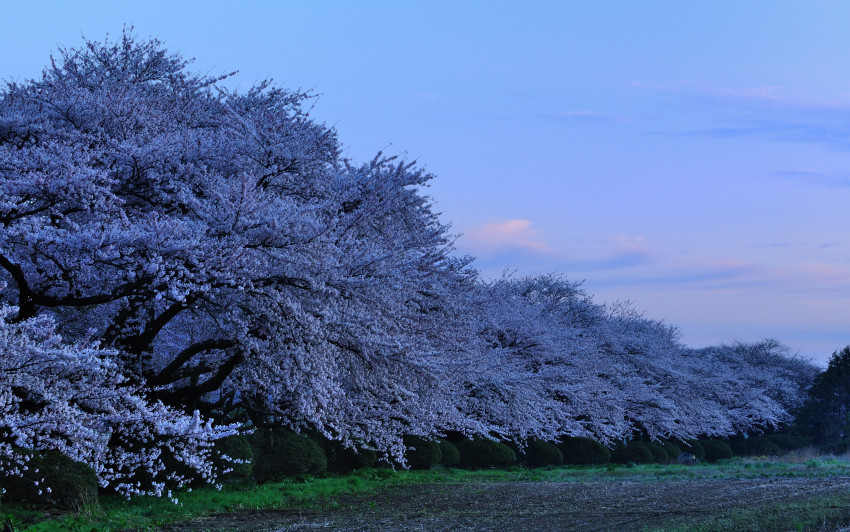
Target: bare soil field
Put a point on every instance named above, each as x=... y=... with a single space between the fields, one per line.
x=629 y=504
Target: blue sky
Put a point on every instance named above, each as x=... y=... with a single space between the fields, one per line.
x=694 y=159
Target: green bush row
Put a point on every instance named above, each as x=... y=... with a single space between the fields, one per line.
x=279 y=453
x=268 y=455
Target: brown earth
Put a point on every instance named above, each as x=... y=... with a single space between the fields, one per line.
x=533 y=506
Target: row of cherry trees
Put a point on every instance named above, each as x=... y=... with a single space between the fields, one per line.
x=175 y=253
x=608 y=372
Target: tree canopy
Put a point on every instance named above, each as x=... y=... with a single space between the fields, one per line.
x=825 y=415
x=196 y=253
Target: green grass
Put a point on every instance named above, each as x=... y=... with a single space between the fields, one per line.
x=147 y=513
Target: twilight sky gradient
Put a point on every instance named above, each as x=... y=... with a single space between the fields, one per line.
x=694 y=159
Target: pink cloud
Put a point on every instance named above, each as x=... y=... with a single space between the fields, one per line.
x=508 y=234
x=827 y=274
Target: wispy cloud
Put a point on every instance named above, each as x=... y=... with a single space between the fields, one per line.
x=631 y=244
x=770 y=95
x=619 y=252
x=828 y=274
x=797 y=245
x=793 y=126
x=631 y=264
x=774 y=245
x=701 y=274
x=821 y=280
x=777 y=113
x=511 y=243
x=714 y=274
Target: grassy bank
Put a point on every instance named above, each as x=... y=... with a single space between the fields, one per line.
x=325 y=493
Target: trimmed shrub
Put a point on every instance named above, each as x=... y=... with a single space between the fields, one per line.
x=350 y=459
x=756 y=446
x=422 y=453
x=716 y=450
x=659 y=455
x=584 y=451
x=671 y=448
x=279 y=453
x=236 y=447
x=451 y=456
x=342 y=459
x=481 y=453
x=540 y=453
x=693 y=447
x=635 y=451
x=62 y=482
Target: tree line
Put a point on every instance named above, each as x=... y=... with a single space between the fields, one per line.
x=182 y=261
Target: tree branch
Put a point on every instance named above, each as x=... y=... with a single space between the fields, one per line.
x=190 y=394
x=139 y=343
x=29 y=299
x=166 y=375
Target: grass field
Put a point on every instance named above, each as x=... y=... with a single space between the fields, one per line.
x=796 y=493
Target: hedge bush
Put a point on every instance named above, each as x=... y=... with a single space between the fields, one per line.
x=279 y=453
x=342 y=459
x=422 y=453
x=239 y=448
x=451 y=456
x=584 y=451
x=671 y=448
x=541 y=453
x=716 y=450
x=756 y=446
x=635 y=451
x=481 y=453
x=72 y=485
x=693 y=447
x=659 y=454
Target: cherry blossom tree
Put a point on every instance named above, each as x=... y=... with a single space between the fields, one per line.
x=219 y=245
x=583 y=369
x=74 y=399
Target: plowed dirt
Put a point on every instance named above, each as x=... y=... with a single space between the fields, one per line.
x=534 y=506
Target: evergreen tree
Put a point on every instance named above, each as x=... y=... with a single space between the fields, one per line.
x=825 y=416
